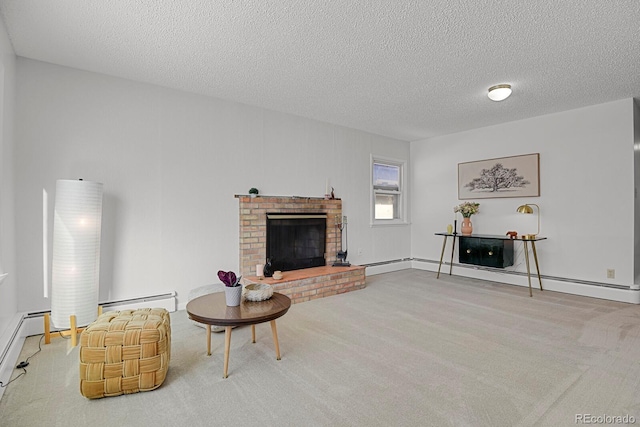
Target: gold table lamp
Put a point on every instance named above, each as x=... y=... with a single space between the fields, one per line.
x=527 y=209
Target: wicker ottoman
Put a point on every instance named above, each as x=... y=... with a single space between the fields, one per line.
x=125 y=352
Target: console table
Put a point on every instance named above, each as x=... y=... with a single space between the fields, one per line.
x=488 y=237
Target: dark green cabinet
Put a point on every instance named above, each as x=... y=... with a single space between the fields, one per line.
x=485 y=251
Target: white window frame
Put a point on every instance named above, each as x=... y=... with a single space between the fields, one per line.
x=402 y=192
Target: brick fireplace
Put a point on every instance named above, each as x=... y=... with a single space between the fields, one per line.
x=299 y=285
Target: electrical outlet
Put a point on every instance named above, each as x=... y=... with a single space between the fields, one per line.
x=611 y=273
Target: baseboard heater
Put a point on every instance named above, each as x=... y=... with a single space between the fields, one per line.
x=533 y=275
x=166 y=301
x=10 y=341
x=393 y=261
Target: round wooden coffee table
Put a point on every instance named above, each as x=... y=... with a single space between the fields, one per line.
x=212 y=309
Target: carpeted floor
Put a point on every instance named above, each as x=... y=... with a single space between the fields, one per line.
x=409 y=350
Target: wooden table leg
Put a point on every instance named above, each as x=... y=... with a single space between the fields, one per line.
x=227 y=347
x=275 y=338
x=208 y=340
x=74 y=330
x=444 y=245
x=535 y=257
x=253 y=334
x=526 y=258
x=47 y=329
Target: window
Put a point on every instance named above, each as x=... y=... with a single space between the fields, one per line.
x=387 y=184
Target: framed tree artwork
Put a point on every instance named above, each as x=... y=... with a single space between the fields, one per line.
x=515 y=176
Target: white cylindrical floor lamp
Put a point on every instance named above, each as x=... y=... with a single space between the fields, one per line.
x=76 y=253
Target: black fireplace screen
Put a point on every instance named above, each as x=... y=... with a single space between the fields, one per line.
x=296 y=241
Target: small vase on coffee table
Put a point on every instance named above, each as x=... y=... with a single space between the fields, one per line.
x=233 y=295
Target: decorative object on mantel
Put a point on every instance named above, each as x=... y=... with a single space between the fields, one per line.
x=527 y=209
x=253 y=192
x=258 y=292
x=277 y=275
x=327 y=195
x=512 y=234
x=232 y=287
x=267 y=270
x=467 y=209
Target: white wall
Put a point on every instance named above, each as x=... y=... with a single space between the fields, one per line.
x=9 y=287
x=586 y=181
x=171 y=163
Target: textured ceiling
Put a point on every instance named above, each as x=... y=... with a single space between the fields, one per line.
x=407 y=69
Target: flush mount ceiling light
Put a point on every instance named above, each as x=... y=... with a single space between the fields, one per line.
x=499 y=92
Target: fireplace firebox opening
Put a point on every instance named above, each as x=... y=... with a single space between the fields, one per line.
x=296 y=241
